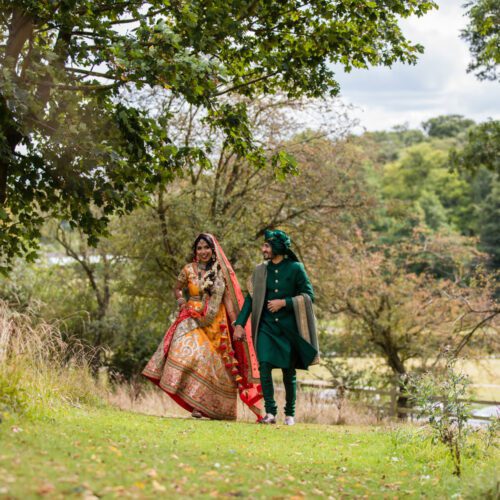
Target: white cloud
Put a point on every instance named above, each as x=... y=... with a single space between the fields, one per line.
x=437 y=84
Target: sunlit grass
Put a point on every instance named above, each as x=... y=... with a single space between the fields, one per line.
x=106 y=452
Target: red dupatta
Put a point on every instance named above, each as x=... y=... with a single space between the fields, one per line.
x=249 y=386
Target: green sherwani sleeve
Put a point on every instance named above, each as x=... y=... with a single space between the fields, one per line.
x=245 y=311
x=303 y=285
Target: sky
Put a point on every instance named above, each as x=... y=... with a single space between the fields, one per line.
x=438 y=84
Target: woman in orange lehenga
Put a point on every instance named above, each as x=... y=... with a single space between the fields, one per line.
x=197 y=363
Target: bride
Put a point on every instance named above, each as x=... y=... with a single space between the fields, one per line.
x=197 y=363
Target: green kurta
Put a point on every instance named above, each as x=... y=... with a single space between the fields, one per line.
x=278 y=340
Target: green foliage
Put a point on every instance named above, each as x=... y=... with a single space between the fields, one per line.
x=489 y=223
x=483 y=36
x=72 y=149
x=446 y=125
x=387 y=146
x=440 y=400
x=132 y=349
x=481 y=149
x=420 y=189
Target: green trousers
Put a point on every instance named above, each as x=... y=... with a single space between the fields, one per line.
x=289 y=380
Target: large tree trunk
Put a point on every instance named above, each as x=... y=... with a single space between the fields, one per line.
x=20 y=30
x=399 y=370
x=9 y=139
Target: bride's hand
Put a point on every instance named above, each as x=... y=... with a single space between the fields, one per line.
x=239 y=332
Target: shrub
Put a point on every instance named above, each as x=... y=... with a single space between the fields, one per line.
x=440 y=400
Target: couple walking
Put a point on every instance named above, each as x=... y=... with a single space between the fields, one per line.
x=210 y=353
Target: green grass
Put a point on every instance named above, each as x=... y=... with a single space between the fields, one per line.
x=109 y=453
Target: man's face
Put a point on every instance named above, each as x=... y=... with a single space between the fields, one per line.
x=267 y=251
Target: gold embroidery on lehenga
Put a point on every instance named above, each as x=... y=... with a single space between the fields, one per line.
x=199 y=367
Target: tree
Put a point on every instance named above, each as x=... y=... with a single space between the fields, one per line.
x=483 y=36
x=481 y=149
x=238 y=202
x=419 y=189
x=118 y=294
x=387 y=146
x=446 y=125
x=401 y=315
x=489 y=223
x=67 y=141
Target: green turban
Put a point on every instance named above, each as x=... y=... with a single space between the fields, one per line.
x=280 y=243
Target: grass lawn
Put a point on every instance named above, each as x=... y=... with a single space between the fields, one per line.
x=89 y=453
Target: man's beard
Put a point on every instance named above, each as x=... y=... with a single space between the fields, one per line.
x=268 y=255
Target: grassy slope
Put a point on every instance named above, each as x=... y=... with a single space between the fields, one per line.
x=113 y=454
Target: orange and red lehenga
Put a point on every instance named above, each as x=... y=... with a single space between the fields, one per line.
x=197 y=363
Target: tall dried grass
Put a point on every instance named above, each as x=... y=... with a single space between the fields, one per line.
x=39 y=365
x=310 y=407
x=48 y=371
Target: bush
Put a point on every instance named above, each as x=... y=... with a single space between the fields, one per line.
x=440 y=399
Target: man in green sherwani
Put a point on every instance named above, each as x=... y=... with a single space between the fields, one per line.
x=276 y=286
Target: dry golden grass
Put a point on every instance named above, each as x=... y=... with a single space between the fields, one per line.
x=40 y=365
x=310 y=408
x=483 y=372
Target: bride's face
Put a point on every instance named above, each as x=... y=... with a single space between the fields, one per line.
x=203 y=251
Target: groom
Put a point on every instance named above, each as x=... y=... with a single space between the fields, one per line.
x=283 y=326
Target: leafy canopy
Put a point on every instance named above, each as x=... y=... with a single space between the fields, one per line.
x=69 y=141
x=483 y=36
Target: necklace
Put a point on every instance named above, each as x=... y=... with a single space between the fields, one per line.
x=201 y=267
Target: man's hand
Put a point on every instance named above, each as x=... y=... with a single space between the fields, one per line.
x=276 y=304
x=239 y=332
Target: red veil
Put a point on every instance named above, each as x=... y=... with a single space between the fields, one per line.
x=248 y=367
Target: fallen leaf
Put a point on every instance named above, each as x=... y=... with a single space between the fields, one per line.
x=158 y=487
x=46 y=489
x=152 y=473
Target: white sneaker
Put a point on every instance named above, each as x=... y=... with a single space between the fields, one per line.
x=289 y=420
x=268 y=419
